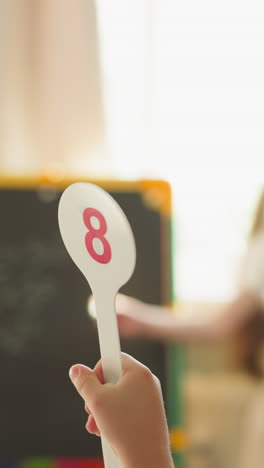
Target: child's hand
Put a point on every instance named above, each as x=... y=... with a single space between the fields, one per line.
x=130 y=414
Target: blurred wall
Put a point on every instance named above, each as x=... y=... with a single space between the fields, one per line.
x=51 y=102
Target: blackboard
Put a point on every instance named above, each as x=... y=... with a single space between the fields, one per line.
x=44 y=326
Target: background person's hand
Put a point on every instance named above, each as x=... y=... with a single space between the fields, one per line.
x=134 y=317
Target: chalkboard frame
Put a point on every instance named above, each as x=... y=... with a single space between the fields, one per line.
x=156 y=195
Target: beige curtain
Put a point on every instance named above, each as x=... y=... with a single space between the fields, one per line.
x=50 y=90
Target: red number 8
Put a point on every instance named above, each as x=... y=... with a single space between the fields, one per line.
x=99 y=233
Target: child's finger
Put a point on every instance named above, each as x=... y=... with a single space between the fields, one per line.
x=87 y=409
x=91 y=426
x=98 y=370
x=128 y=363
x=85 y=382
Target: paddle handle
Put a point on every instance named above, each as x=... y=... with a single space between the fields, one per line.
x=110 y=355
x=110 y=458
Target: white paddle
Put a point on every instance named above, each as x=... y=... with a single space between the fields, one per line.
x=99 y=239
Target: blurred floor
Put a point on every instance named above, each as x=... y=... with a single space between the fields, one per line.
x=217 y=409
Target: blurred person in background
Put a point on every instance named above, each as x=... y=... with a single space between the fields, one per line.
x=241 y=320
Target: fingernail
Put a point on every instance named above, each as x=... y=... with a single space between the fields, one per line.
x=74 y=372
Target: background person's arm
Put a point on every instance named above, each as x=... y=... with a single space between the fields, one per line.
x=136 y=318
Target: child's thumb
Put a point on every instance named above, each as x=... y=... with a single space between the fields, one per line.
x=85 y=382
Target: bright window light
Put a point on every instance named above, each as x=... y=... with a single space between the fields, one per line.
x=184 y=97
